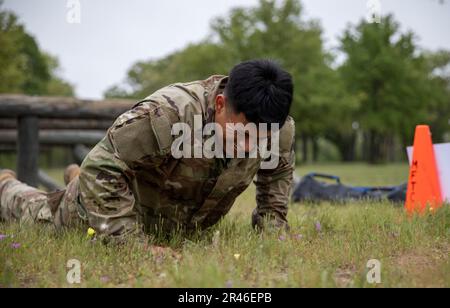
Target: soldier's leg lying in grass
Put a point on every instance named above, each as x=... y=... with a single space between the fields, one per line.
x=21 y=202
x=25 y=204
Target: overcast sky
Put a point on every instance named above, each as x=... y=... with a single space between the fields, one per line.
x=113 y=34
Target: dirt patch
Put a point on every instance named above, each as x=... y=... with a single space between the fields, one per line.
x=425 y=267
x=344 y=275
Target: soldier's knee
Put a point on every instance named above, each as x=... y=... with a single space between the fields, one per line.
x=68 y=212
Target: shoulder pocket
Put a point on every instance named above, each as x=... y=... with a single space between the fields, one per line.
x=162 y=130
x=145 y=137
x=134 y=140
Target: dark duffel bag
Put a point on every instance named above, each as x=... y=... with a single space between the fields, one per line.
x=311 y=189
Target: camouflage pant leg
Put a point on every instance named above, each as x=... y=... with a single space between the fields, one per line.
x=26 y=204
x=23 y=203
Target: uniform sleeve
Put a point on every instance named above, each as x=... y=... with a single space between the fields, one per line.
x=107 y=173
x=273 y=186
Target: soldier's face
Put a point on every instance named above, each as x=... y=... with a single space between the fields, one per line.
x=224 y=114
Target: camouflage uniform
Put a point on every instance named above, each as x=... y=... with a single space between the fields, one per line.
x=130 y=182
x=27 y=204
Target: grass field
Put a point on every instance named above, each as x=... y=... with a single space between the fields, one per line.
x=328 y=246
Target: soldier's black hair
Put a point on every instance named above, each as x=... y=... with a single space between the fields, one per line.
x=261 y=90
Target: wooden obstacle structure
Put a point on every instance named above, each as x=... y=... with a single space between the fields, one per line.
x=26 y=122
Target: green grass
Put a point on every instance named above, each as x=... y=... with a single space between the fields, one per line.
x=413 y=251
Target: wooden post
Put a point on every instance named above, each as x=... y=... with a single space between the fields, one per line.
x=28 y=150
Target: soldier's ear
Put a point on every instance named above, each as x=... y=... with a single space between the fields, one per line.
x=220 y=103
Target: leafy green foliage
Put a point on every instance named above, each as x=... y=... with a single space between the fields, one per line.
x=394 y=80
x=24 y=67
x=385 y=86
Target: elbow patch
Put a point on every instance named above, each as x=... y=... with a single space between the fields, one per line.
x=287 y=134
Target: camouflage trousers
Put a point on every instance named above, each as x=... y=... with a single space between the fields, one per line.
x=26 y=204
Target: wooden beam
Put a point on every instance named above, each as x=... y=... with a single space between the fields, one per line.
x=44 y=123
x=57 y=137
x=61 y=107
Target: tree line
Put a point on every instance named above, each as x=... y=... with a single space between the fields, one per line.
x=24 y=67
x=366 y=105
x=360 y=101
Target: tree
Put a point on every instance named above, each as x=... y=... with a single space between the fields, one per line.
x=438 y=64
x=12 y=61
x=387 y=71
x=25 y=68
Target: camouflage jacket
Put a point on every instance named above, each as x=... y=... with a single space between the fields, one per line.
x=131 y=179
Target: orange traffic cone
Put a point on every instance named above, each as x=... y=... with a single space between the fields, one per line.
x=423 y=185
